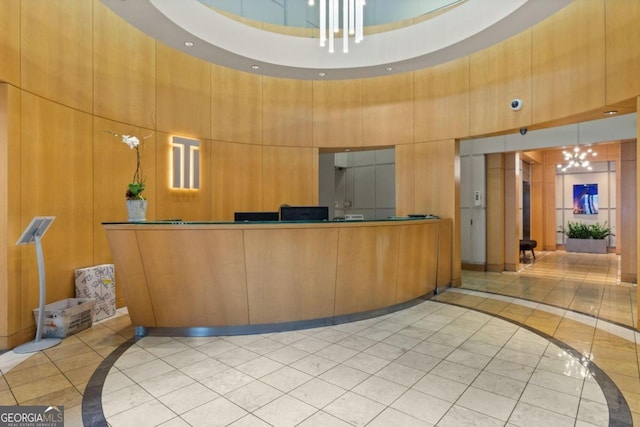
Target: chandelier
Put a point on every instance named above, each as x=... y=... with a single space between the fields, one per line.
x=577 y=159
x=329 y=22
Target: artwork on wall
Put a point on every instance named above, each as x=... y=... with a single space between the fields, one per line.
x=585 y=199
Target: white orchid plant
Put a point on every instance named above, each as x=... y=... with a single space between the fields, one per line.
x=136 y=186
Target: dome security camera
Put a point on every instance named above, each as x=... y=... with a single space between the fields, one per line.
x=516 y=104
x=523 y=131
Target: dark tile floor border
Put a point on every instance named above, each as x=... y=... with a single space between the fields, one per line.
x=593 y=316
x=92 y=412
x=619 y=412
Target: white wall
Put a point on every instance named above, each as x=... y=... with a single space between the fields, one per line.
x=603 y=174
x=365 y=183
x=326 y=182
x=473 y=216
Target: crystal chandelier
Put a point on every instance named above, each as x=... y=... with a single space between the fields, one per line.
x=329 y=22
x=576 y=159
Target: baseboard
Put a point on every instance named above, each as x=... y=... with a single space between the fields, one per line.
x=473 y=267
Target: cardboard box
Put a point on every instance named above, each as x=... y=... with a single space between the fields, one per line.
x=66 y=317
x=98 y=283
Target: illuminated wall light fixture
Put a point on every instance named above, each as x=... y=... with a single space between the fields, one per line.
x=329 y=21
x=185 y=163
x=577 y=159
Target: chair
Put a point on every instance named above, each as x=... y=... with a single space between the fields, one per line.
x=528 y=245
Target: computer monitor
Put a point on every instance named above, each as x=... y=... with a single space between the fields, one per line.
x=304 y=213
x=256 y=216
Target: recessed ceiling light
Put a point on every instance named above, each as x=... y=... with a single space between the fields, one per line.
x=322 y=74
x=188 y=44
x=610 y=112
x=389 y=68
x=255 y=67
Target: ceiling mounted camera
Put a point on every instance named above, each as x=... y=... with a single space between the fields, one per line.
x=516 y=104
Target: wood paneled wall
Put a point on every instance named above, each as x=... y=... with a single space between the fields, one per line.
x=568 y=61
x=628 y=210
x=10 y=42
x=10 y=224
x=75 y=69
x=495 y=212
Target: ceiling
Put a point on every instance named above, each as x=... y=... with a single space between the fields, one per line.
x=198 y=30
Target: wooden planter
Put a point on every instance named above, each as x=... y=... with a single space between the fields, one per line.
x=592 y=246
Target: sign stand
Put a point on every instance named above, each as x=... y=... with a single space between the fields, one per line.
x=32 y=234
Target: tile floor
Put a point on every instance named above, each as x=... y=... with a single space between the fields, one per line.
x=551 y=344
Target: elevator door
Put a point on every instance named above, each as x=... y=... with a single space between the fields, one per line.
x=526 y=210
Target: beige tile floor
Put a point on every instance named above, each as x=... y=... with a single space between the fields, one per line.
x=376 y=372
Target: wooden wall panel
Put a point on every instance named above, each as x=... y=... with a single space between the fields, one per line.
x=448 y=273
x=628 y=207
x=568 y=52
x=56 y=173
x=405 y=179
x=387 y=110
x=537 y=204
x=549 y=181
x=57 y=57
x=10 y=225
x=236 y=105
x=287 y=117
x=124 y=71
x=371 y=282
x=498 y=75
x=495 y=212
x=442 y=101
x=184 y=93
x=236 y=174
x=337 y=113
x=417 y=264
x=10 y=42
x=622 y=50
x=512 y=191
x=131 y=277
x=279 y=293
x=186 y=204
x=206 y=288
x=436 y=178
x=437 y=188
x=289 y=176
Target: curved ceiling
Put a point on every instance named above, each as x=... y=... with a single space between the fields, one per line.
x=467 y=28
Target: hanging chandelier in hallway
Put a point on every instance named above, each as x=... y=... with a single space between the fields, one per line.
x=329 y=21
x=577 y=159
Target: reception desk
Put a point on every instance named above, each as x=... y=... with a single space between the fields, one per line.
x=192 y=278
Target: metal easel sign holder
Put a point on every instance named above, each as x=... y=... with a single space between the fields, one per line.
x=32 y=234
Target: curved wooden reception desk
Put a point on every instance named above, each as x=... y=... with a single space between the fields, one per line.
x=195 y=276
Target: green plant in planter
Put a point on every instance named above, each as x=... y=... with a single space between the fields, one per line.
x=600 y=231
x=581 y=230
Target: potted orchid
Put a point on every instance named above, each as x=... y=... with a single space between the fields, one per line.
x=136 y=186
x=136 y=201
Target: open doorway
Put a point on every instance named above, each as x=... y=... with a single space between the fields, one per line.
x=358 y=182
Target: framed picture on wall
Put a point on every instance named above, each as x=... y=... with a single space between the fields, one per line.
x=585 y=199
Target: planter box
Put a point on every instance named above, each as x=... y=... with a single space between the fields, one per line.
x=591 y=246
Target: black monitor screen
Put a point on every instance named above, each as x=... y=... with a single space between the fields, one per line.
x=256 y=216
x=304 y=213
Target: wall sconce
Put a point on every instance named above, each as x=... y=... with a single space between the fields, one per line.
x=185 y=163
